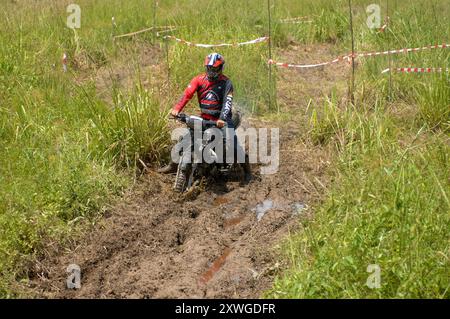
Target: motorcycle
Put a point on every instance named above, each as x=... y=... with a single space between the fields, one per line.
x=191 y=170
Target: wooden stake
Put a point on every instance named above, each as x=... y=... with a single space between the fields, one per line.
x=166 y=43
x=352 y=88
x=154 y=21
x=269 y=14
x=389 y=55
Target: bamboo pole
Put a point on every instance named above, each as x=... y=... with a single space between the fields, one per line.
x=352 y=88
x=154 y=21
x=270 y=52
x=166 y=43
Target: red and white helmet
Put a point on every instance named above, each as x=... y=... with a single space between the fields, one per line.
x=214 y=65
x=215 y=60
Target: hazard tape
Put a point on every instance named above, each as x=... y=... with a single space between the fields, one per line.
x=349 y=57
x=158 y=34
x=258 y=40
x=385 y=25
x=406 y=50
x=296 y=20
x=64 y=61
x=168 y=28
x=305 y=66
x=416 y=70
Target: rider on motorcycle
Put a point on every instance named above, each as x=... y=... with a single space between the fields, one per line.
x=215 y=96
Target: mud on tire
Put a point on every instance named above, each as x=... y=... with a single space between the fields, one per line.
x=180 y=181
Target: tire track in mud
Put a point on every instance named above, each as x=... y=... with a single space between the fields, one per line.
x=153 y=245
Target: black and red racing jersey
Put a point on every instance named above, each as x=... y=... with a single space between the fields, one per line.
x=215 y=98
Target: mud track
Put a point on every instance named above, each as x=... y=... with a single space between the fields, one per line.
x=152 y=245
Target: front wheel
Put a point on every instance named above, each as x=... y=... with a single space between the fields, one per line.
x=184 y=178
x=180 y=180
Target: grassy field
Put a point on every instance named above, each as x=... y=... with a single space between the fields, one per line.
x=66 y=153
x=389 y=203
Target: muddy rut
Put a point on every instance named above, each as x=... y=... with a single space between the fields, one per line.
x=221 y=244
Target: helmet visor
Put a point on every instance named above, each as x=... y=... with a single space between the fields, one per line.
x=213 y=72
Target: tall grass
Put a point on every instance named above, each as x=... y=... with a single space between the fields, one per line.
x=434 y=102
x=136 y=133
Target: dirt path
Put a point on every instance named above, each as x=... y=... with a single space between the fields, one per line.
x=152 y=246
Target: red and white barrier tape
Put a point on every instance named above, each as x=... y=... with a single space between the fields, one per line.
x=296 y=20
x=158 y=34
x=406 y=50
x=258 y=40
x=64 y=62
x=348 y=58
x=416 y=70
x=168 y=28
x=385 y=25
x=306 y=66
x=383 y=28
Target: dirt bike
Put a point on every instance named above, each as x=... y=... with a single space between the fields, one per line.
x=188 y=172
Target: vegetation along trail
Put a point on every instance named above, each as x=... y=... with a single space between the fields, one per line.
x=154 y=244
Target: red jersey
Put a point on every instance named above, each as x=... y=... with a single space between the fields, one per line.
x=214 y=97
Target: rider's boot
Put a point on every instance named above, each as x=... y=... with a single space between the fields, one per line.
x=247 y=169
x=168 y=169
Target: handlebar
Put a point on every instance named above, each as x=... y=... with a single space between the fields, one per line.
x=191 y=120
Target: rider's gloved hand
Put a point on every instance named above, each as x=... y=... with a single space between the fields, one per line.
x=220 y=123
x=174 y=113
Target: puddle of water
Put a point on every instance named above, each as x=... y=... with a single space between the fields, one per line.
x=220 y=200
x=298 y=208
x=232 y=221
x=262 y=208
x=215 y=267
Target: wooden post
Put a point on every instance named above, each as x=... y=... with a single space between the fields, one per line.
x=113 y=25
x=166 y=43
x=271 y=86
x=154 y=22
x=389 y=55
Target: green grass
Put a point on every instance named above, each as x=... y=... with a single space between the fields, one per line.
x=389 y=206
x=389 y=201
x=64 y=152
